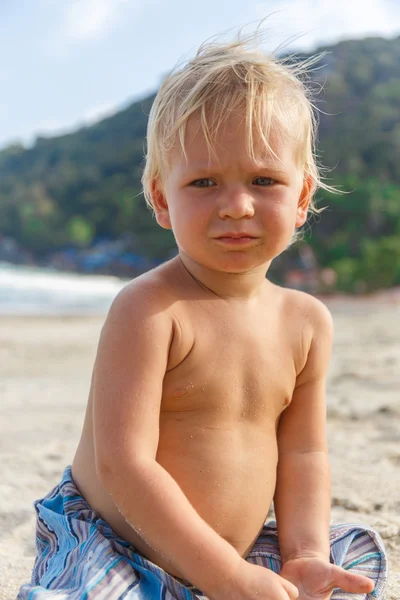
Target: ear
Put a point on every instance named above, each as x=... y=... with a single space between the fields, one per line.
x=304 y=202
x=160 y=205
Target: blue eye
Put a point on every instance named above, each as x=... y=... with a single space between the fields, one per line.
x=203 y=183
x=264 y=181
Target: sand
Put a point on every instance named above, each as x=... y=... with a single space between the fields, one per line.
x=45 y=368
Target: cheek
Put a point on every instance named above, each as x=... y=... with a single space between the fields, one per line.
x=189 y=220
x=279 y=225
x=191 y=214
x=279 y=215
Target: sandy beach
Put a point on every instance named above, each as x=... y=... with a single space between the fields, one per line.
x=45 y=369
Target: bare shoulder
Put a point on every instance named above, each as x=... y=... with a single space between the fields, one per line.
x=149 y=308
x=147 y=297
x=312 y=314
x=310 y=327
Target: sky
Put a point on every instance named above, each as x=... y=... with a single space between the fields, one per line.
x=66 y=63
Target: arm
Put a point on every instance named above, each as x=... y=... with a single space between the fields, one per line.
x=130 y=366
x=302 y=497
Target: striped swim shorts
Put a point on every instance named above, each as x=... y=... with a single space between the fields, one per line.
x=79 y=557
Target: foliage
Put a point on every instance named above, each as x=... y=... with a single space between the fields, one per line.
x=73 y=189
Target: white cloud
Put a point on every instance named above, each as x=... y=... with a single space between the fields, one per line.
x=74 y=22
x=324 y=21
x=83 y=20
x=88 y=19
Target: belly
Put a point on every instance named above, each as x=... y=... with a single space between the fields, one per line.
x=228 y=474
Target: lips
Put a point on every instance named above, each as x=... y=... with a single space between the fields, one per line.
x=234 y=239
x=235 y=235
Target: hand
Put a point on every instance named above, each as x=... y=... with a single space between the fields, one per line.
x=252 y=582
x=315 y=578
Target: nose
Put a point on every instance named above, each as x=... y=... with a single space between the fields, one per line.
x=236 y=203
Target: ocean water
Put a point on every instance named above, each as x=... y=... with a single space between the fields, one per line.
x=33 y=291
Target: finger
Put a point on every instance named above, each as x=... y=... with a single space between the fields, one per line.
x=351 y=582
x=291 y=589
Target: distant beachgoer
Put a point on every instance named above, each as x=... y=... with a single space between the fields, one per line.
x=207 y=400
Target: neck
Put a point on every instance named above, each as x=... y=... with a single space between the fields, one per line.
x=243 y=286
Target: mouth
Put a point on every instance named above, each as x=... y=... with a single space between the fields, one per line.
x=236 y=236
x=236 y=239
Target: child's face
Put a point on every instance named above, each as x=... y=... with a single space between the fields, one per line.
x=210 y=202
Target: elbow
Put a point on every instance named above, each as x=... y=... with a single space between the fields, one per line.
x=116 y=470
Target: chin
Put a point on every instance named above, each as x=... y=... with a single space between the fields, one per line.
x=230 y=263
x=236 y=268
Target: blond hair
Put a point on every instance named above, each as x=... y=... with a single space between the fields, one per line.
x=232 y=78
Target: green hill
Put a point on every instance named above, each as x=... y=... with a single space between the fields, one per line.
x=72 y=189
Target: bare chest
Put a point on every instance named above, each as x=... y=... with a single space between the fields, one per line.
x=240 y=369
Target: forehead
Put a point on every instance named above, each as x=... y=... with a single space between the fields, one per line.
x=230 y=144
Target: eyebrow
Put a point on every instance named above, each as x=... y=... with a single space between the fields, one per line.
x=198 y=168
